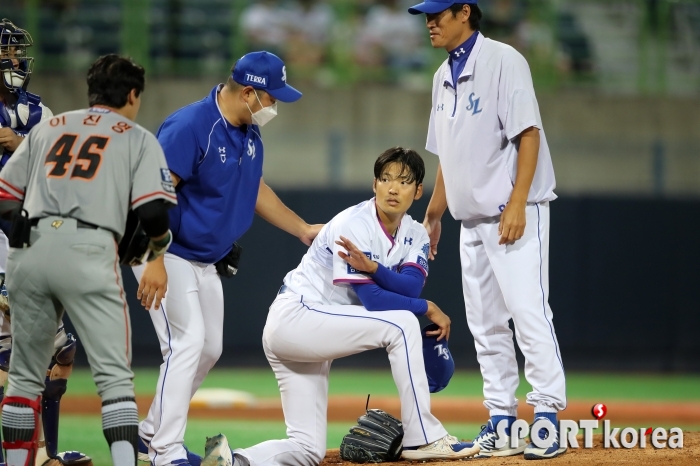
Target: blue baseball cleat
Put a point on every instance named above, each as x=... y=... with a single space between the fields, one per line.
x=533 y=452
x=487 y=443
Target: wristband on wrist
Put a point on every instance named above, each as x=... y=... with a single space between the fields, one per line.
x=163 y=241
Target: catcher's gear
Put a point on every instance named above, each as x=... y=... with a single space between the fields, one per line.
x=377 y=438
x=136 y=247
x=4 y=300
x=15 y=64
x=439 y=365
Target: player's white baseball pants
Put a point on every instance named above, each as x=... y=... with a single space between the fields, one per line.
x=189 y=325
x=302 y=339
x=501 y=282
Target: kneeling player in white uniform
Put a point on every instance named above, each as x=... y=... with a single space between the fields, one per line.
x=371 y=257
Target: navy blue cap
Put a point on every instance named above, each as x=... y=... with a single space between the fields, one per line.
x=436 y=6
x=439 y=365
x=265 y=71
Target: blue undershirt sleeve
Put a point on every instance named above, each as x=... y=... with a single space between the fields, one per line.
x=375 y=298
x=408 y=281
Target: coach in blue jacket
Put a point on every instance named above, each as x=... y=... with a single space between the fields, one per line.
x=215 y=155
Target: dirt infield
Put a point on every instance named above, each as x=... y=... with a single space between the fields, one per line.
x=348 y=408
x=688 y=455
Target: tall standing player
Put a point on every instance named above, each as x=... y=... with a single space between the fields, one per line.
x=496 y=176
x=20 y=111
x=75 y=177
x=215 y=154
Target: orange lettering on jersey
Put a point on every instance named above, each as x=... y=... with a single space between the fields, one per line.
x=59 y=120
x=92 y=120
x=121 y=127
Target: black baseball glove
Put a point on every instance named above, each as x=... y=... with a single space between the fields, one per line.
x=377 y=438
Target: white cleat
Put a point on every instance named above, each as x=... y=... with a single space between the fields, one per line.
x=217 y=452
x=446 y=448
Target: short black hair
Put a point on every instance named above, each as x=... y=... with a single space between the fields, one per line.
x=111 y=78
x=408 y=158
x=474 y=16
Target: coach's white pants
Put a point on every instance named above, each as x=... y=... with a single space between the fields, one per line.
x=501 y=282
x=302 y=339
x=189 y=325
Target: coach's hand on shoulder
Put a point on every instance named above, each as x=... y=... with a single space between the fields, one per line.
x=357 y=259
x=440 y=319
x=154 y=284
x=310 y=233
x=512 y=225
x=9 y=140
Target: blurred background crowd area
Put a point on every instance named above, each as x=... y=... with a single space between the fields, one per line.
x=618 y=81
x=628 y=46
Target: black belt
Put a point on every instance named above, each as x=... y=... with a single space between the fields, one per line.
x=80 y=223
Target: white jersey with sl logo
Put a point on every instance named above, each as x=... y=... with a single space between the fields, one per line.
x=318 y=318
x=324 y=277
x=474 y=130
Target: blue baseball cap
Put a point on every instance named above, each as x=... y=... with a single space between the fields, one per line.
x=436 y=6
x=265 y=71
x=439 y=365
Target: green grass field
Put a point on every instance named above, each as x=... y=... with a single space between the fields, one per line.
x=84 y=433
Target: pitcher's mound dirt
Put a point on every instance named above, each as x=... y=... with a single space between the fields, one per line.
x=688 y=455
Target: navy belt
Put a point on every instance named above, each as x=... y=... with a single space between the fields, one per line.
x=283 y=289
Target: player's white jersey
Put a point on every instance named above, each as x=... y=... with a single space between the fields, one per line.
x=472 y=130
x=324 y=277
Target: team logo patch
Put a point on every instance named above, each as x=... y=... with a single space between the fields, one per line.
x=284 y=73
x=442 y=351
x=251 y=78
x=165 y=176
x=426 y=249
x=474 y=104
x=166 y=181
x=251 y=148
x=355 y=271
x=57 y=224
x=422 y=262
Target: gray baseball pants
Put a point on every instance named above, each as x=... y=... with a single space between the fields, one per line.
x=67 y=267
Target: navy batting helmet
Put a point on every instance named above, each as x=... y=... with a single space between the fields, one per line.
x=15 y=64
x=439 y=365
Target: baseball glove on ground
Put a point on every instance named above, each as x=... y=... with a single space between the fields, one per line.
x=376 y=438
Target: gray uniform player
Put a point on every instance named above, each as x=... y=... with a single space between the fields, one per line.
x=82 y=171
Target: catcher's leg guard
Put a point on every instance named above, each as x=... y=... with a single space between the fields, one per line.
x=56 y=384
x=5 y=352
x=20 y=427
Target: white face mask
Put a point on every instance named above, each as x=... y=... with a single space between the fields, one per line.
x=265 y=114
